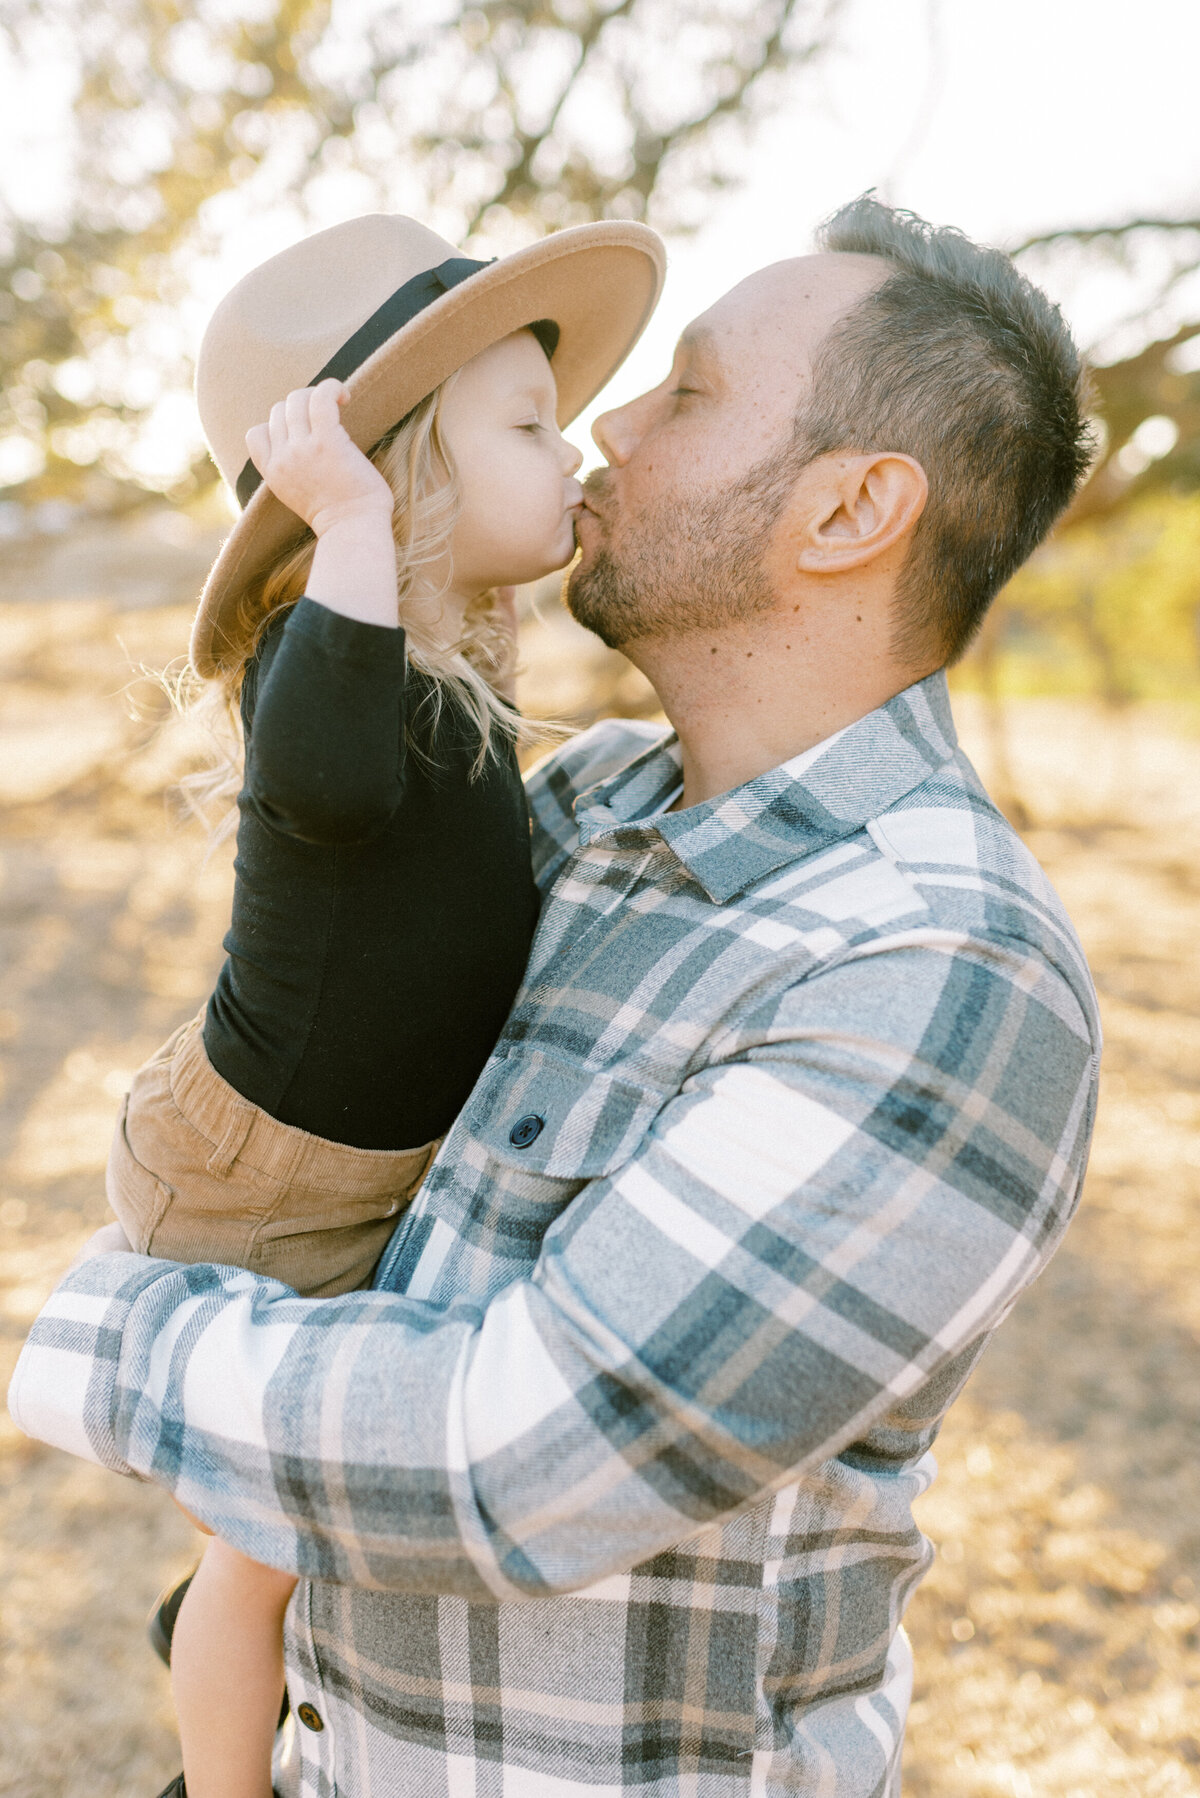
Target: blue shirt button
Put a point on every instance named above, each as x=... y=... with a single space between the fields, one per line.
x=526 y=1130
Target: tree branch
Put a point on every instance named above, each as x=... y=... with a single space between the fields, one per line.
x=770 y=53
x=1094 y=233
x=520 y=172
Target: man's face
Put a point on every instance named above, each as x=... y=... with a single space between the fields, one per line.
x=675 y=534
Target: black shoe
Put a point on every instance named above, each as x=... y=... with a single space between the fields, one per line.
x=160 y=1627
x=176 y=1789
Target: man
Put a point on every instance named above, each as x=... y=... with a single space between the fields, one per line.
x=607 y=1486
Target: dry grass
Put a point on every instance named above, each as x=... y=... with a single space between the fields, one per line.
x=1058 y=1639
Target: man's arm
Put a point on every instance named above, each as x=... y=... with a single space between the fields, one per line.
x=808 y=1233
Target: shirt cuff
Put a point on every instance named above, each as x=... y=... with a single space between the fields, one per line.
x=348 y=639
x=65 y=1380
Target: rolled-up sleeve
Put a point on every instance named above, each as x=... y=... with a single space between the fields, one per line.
x=809 y=1231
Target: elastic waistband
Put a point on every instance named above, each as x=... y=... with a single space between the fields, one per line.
x=245 y=1133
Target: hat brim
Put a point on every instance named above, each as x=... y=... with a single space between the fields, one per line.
x=599 y=283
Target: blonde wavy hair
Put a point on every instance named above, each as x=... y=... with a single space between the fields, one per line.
x=416 y=462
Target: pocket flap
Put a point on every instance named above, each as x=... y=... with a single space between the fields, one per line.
x=543 y=1115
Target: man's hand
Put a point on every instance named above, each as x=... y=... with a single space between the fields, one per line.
x=307 y=459
x=109 y=1239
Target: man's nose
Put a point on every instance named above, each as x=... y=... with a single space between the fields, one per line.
x=616 y=433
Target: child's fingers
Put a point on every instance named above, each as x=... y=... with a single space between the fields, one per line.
x=277 y=426
x=295 y=411
x=325 y=404
x=258 y=444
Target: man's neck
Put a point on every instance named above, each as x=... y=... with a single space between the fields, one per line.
x=754 y=694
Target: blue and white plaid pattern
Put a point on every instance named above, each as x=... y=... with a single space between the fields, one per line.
x=607 y=1486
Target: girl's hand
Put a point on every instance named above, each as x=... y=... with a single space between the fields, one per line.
x=306 y=458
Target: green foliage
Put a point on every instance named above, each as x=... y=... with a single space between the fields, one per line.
x=164 y=98
x=1110 y=606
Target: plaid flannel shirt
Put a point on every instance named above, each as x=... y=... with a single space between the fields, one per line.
x=606 y=1487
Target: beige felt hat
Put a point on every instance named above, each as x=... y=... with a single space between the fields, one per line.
x=392 y=309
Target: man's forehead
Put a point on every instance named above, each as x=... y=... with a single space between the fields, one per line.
x=789 y=304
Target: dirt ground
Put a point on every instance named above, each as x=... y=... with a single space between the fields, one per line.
x=1058 y=1638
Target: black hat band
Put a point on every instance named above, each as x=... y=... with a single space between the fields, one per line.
x=396 y=312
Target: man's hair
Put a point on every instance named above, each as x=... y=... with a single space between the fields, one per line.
x=956 y=360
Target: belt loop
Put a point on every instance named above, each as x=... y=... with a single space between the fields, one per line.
x=231 y=1144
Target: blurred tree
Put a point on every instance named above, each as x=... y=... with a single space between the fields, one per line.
x=1111 y=604
x=503 y=119
x=1148 y=401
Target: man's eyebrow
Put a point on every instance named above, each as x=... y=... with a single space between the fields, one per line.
x=700 y=339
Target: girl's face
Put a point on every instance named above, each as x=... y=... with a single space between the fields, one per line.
x=515 y=469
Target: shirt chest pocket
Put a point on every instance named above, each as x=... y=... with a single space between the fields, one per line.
x=536 y=1129
x=544 y=1119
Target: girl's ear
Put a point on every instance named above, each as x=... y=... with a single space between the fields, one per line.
x=855 y=508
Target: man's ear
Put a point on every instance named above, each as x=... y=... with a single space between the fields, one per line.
x=854 y=508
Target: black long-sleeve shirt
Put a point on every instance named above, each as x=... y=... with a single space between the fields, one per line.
x=384 y=904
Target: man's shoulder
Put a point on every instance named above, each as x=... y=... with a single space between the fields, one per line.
x=951 y=838
x=974 y=876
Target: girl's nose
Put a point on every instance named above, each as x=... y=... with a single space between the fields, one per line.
x=572 y=457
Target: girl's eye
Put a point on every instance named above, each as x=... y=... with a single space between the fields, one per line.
x=534 y=428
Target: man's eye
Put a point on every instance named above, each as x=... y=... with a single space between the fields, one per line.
x=683 y=392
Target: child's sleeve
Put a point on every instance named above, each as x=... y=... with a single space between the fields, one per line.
x=325 y=727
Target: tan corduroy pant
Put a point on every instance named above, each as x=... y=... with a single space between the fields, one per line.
x=197 y=1173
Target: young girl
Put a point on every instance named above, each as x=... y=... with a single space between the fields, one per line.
x=384 y=905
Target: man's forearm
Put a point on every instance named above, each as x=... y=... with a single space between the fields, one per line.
x=257 y=1427
x=804 y=1238
x=519 y=1453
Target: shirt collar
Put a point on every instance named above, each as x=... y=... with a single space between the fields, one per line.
x=809 y=802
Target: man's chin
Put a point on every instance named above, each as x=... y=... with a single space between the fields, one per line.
x=573 y=579
x=578 y=595
x=589 y=598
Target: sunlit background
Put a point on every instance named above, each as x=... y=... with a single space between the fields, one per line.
x=150 y=153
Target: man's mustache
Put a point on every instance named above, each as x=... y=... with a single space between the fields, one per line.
x=596 y=486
